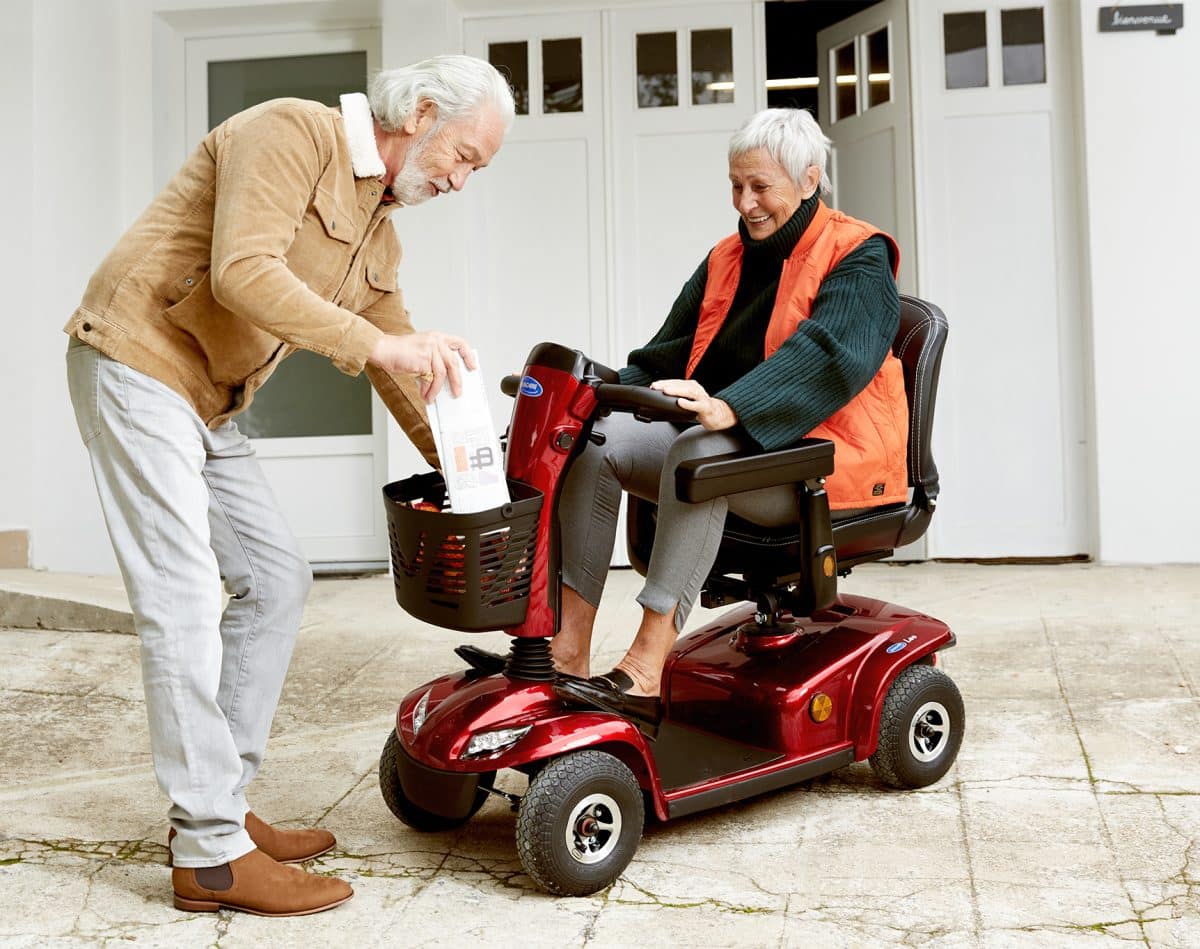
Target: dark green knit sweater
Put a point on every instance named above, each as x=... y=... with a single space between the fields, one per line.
x=828 y=359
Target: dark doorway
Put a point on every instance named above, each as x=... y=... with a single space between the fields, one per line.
x=792 y=29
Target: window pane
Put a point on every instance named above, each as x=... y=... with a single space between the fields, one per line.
x=562 y=75
x=965 y=36
x=306 y=395
x=235 y=85
x=658 y=70
x=845 y=81
x=712 y=66
x=879 y=69
x=1024 y=46
x=512 y=61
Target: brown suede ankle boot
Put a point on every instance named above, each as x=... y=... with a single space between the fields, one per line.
x=284 y=846
x=254 y=883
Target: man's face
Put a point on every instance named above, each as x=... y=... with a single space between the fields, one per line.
x=444 y=155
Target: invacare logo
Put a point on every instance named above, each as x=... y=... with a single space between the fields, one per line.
x=531 y=387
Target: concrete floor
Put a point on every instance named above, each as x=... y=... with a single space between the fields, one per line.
x=1072 y=817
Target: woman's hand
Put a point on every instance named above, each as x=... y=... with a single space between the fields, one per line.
x=713 y=414
x=432 y=357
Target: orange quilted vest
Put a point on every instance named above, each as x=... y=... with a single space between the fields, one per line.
x=871 y=432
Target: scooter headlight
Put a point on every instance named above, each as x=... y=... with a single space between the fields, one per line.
x=486 y=743
x=418 y=712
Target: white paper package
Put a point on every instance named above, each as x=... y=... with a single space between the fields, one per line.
x=467 y=446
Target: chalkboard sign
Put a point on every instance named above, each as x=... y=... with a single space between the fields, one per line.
x=1160 y=17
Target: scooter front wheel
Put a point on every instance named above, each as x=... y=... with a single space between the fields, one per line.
x=579 y=823
x=410 y=813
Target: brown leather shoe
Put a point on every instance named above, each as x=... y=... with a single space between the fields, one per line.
x=256 y=884
x=283 y=846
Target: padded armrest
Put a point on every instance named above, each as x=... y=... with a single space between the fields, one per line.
x=703 y=479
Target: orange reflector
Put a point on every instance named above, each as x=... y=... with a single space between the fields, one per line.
x=821 y=707
x=827 y=565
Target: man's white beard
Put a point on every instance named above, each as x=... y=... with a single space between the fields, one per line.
x=411 y=185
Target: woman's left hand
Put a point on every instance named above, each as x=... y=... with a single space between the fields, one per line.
x=713 y=414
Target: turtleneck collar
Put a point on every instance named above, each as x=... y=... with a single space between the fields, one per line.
x=779 y=245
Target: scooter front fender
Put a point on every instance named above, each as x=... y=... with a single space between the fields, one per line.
x=464 y=704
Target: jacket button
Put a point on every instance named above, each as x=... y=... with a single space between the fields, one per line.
x=87 y=327
x=333 y=225
x=188 y=280
x=375 y=275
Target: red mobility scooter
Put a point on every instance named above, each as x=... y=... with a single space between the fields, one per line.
x=794 y=683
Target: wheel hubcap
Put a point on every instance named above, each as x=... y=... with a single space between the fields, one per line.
x=929 y=731
x=593 y=828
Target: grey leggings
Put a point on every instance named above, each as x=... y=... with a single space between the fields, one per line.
x=641 y=458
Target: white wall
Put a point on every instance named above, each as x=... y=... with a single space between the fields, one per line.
x=1142 y=138
x=76 y=103
x=71 y=198
x=18 y=315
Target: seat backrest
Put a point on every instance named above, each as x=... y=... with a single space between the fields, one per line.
x=918 y=346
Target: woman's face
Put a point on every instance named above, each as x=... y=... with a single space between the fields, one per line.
x=763 y=194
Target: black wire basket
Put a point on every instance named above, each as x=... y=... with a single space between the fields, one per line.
x=469 y=572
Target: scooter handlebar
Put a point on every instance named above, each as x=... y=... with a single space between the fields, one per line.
x=647 y=405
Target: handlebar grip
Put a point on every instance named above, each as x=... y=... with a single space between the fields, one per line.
x=647 y=405
x=510 y=386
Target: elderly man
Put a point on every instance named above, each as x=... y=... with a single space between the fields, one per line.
x=272 y=237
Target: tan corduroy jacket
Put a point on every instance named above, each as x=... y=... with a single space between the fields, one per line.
x=264 y=242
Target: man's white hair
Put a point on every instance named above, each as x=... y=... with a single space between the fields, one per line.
x=791 y=136
x=458 y=85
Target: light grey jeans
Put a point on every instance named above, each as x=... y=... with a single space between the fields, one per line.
x=187 y=507
x=641 y=457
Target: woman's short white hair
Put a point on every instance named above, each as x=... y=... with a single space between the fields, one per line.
x=457 y=85
x=791 y=136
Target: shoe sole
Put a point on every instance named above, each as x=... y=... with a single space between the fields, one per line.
x=207 y=906
x=311 y=856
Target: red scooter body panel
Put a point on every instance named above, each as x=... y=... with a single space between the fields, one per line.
x=463 y=704
x=717 y=682
x=547 y=421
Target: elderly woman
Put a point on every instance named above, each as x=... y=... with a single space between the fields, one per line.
x=784 y=331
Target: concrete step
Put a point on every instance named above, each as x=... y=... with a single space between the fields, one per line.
x=39 y=599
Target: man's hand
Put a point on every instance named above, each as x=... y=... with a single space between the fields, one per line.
x=713 y=414
x=431 y=356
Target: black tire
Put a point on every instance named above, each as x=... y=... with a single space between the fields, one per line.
x=920 y=728
x=580 y=793
x=417 y=817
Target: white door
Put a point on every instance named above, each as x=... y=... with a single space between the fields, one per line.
x=319 y=434
x=864 y=109
x=681 y=81
x=998 y=216
x=536 y=222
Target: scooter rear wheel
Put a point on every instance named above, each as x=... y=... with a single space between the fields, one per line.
x=579 y=823
x=920 y=728
x=399 y=804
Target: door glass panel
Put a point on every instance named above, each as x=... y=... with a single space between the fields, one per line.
x=306 y=395
x=562 y=75
x=1023 y=36
x=657 y=70
x=879 y=69
x=845 y=81
x=512 y=62
x=965 y=36
x=712 y=66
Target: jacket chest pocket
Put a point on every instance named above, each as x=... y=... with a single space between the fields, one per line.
x=323 y=246
x=373 y=278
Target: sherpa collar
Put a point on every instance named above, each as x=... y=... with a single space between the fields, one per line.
x=360 y=135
